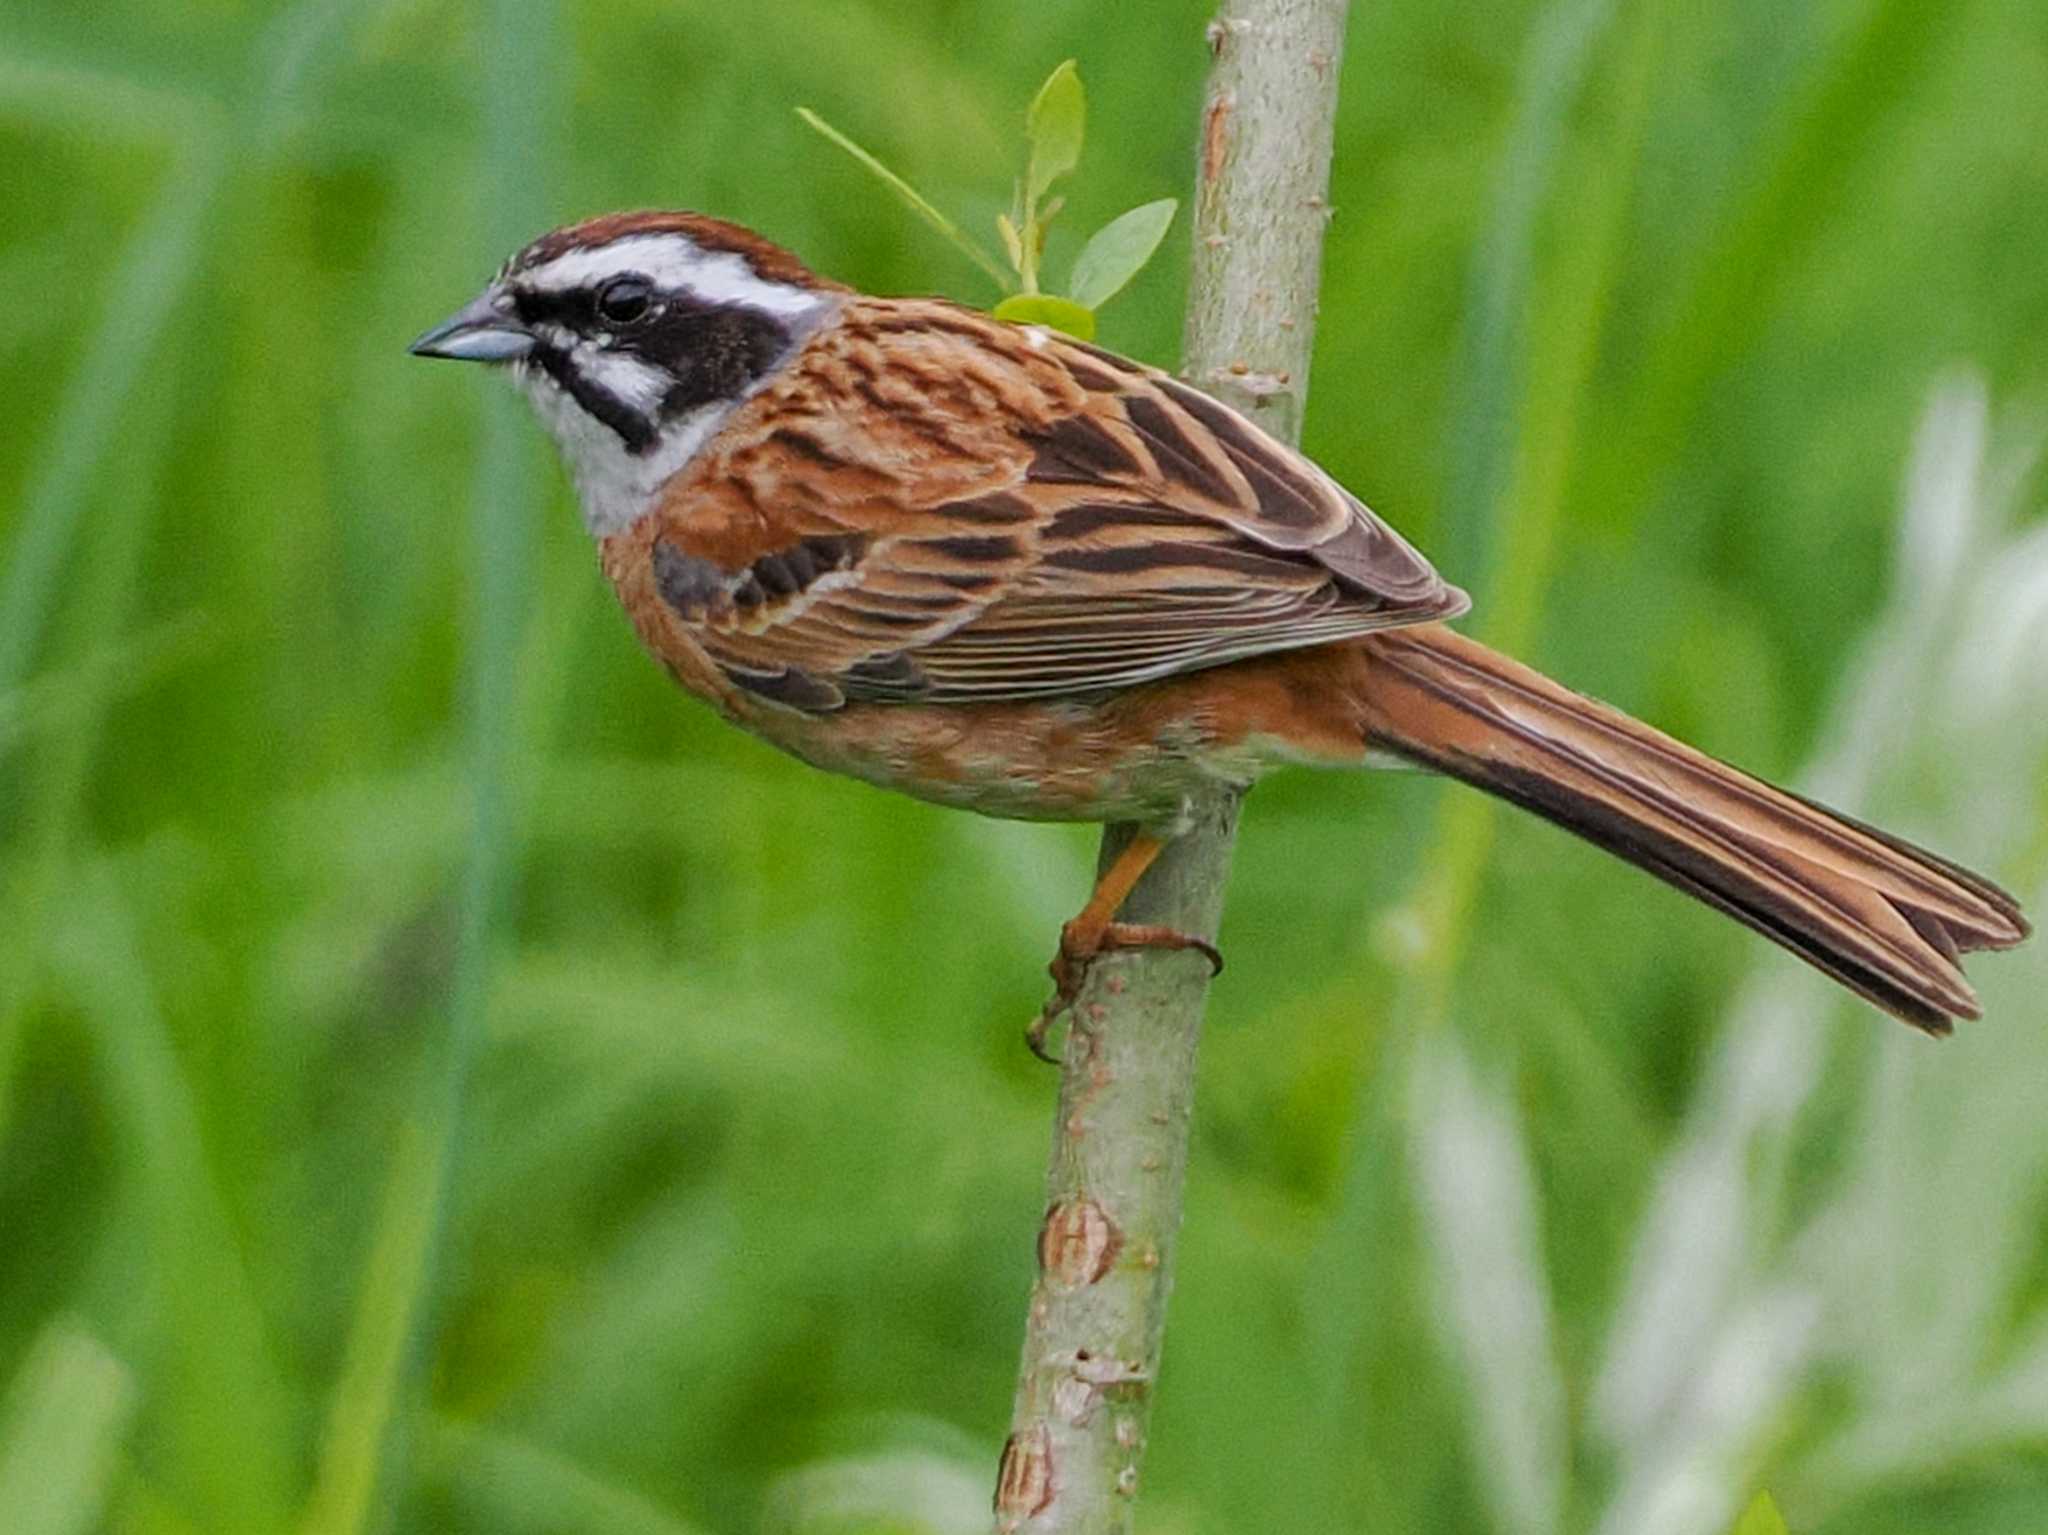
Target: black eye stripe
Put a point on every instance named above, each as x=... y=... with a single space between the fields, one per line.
x=583 y=309
x=537 y=308
x=710 y=353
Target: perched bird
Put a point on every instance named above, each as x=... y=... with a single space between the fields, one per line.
x=999 y=569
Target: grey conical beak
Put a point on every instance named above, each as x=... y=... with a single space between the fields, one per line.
x=484 y=331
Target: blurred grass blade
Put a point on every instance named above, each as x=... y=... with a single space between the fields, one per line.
x=914 y=200
x=1118 y=251
x=1554 y=67
x=288 y=66
x=150 y=280
x=1477 y=1193
x=1564 y=337
x=1551 y=368
x=218 y=1426
x=1056 y=124
x=157 y=264
x=364 y=1466
x=373 y=1379
x=517 y=1487
x=61 y=1427
x=1718 y=1326
x=1890 y=47
x=1491 y=377
x=64 y=95
x=1524 y=395
x=900 y=1492
x=1682 y=1476
x=58 y=700
x=72 y=732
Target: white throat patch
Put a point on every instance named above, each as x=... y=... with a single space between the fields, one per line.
x=613 y=486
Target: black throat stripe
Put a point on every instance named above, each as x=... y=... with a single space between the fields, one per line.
x=637 y=432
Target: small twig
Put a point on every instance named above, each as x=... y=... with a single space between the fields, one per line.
x=1120 y=1142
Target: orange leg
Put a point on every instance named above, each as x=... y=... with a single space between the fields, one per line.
x=1095 y=931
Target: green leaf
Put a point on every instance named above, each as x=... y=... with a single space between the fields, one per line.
x=1055 y=124
x=915 y=200
x=1013 y=243
x=1062 y=314
x=1761 y=1518
x=1118 y=252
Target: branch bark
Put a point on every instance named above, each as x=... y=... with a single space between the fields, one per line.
x=1120 y=1141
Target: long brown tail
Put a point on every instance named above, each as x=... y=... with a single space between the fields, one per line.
x=1886 y=919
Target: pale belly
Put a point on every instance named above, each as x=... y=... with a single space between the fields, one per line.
x=1029 y=762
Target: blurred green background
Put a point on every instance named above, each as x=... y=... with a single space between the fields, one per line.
x=449 y=1083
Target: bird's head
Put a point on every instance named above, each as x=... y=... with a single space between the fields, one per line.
x=635 y=335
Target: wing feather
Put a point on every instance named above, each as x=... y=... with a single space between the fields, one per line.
x=1026 y=518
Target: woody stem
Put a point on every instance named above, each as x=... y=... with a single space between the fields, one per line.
x=1120 y=1140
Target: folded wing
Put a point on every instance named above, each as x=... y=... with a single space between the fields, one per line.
x=945 y=509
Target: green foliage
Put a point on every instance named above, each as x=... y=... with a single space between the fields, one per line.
x=1118 y=251
x=1056 y=126
x=1761 y=1518
x=1043 y=309
x=319 y=731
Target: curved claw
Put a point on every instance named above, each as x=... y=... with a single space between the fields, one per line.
x=1080 y=947
x=1041 y=1027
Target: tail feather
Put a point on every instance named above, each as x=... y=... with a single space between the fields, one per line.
x=1885 y=918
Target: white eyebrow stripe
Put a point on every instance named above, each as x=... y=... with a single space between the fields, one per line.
x=674 y=261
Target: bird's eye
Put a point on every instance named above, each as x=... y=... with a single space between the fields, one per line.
x=624 y=299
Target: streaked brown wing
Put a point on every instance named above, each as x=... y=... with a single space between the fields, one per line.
x=938 y=507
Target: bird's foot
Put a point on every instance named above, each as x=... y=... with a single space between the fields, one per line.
x=1081 y=944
